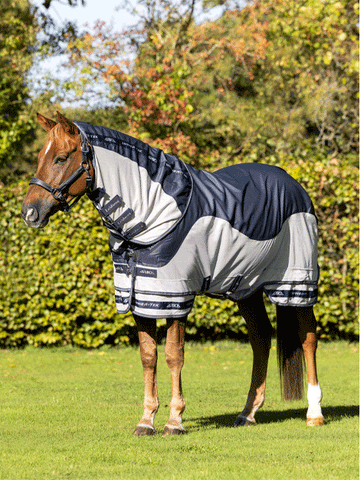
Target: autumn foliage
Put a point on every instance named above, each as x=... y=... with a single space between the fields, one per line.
x=264 y=77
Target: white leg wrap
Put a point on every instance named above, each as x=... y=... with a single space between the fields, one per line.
x=314 y=397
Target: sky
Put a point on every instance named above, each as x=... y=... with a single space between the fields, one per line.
x=106 y=10
x=95 y=9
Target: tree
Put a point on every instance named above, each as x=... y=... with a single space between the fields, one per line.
x=52 y=34
x=26 y=33
x=151 y=88
x=272 y=75
x=17 y=37
x=278 y=74
x=313 y=59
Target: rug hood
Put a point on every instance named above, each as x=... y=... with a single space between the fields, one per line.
x=140 y=192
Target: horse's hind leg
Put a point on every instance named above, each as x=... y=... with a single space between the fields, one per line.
x=148 y=351
x=260 y=331
x=174 y=355
x=307 y=334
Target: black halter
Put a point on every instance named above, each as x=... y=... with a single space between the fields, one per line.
x=57 y=192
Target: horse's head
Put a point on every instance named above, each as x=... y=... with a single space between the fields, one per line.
x=60 y=176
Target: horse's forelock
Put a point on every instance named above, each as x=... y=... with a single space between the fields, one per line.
x=62 y=139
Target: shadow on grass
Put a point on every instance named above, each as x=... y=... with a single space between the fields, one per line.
x=331 y=414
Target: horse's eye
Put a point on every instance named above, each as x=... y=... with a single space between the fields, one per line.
x=60 y=159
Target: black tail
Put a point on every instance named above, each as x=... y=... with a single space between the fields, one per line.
x=290 y=354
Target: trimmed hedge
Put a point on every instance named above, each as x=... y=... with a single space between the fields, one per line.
x=333 y=188
x=57 y=287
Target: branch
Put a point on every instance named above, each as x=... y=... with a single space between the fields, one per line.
x=184 y=26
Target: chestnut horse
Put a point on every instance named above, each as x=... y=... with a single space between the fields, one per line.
x=66 y=171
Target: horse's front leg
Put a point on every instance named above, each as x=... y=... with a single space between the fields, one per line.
x=307 y=334
x=148 y=351
x=260 y=330
x=174 y=355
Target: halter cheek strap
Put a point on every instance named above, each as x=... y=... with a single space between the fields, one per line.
x=58 y=192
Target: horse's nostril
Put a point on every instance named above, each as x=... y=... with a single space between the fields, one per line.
x=31 y=215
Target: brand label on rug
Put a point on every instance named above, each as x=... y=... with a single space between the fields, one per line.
x=123 y=268
x=111 y=206
x=125 y=217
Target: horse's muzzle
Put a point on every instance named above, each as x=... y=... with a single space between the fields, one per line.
x=33 y=216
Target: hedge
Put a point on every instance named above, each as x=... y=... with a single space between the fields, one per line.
x=57 y=288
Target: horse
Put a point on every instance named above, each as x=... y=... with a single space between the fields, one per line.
x=177 y=232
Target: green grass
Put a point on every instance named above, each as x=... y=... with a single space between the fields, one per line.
x=69 y=414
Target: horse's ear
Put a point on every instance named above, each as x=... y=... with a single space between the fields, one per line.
x=68 y=126
x=46 y=123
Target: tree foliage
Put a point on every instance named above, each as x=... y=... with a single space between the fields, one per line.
x=261 y=78
x=27 y=34
x=313 y=51
x=151 y=92
x=17 y=37
x=52 y=34
x=279 y=73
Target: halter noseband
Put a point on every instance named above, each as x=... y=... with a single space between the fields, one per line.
x=57 y=192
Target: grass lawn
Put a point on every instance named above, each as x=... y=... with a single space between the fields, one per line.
x=69 y=414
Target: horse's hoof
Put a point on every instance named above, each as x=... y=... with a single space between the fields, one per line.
x=143 y=430
x=172 y=431
x=243 y=421
x=315 y=422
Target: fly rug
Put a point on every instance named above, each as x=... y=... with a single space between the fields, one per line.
x=177 y=232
